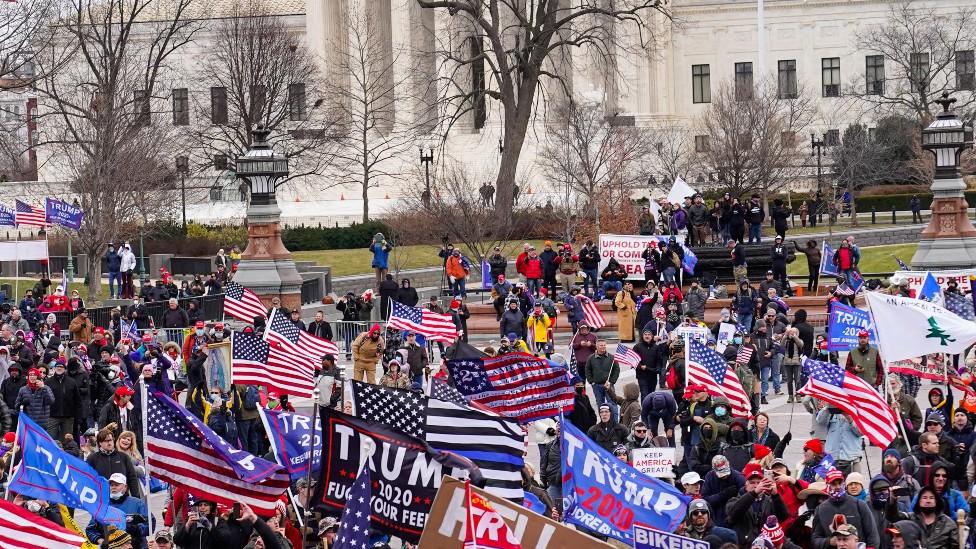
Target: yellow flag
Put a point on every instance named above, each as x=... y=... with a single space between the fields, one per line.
x=70 y=524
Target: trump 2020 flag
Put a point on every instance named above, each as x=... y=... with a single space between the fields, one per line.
x=827 y=260
x=290 y=434
x=64 y=214
x=605 y=495
x=46 y=472
x=908 y=328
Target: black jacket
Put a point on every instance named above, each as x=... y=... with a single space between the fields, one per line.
x=67 y=396
x=175 y=318
x=804 y=331
x=589 y=257
x=746 y=522
x=608 y=435
x=755 y=213
x=650 y=359
x=320 y=329
x=582 y=417
x=408 y=296
x=9 y=389
x=116 y=462
x=550 y=464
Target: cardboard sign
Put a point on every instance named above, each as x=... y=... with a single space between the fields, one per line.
x=917 y=278
x=448 y=518
x=654 y=462
x=726 y=331
x=649 y=538
x=697 y=333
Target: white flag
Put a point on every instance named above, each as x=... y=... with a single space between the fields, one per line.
x=679 y=191
x=908 y=327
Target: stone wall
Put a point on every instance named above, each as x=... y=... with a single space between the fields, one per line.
x=869 y=237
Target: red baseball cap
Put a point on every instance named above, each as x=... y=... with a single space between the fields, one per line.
x=862 y=333
x=114 y=359
x=99 y=330
x=124 y=391
x=147 y=337
x=199 y=324
x=752 y=470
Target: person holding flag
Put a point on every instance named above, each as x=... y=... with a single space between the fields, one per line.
x=864 y=361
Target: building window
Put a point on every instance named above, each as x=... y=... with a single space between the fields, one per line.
x=745 y=141
x=920 y=71
x=874 y=74
x=258 y=98
x=787 y=79
x=872 y=134
x=787 y=139
x=701 y=84
x=701 y=143
x=743 y=81
x=478 y=82
x=220 y=162
x=142 y=107
x=830 y=73
x=181 y=107
x=965 y=70
x=218 y=105
x=296 y=102
x=832 y=138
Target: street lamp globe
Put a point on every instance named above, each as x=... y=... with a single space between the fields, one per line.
x=947 y=137
x=261 y=168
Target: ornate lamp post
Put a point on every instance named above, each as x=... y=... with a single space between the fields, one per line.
x=266 y=266
x=426 y=158
x=949 y=240
x=817 y=146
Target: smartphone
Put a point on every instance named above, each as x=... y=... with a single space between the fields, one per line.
x=900 y=491
x=769 y=474
x=237 y=509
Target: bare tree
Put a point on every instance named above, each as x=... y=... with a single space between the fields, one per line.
x=364 y=100
x=673 y=154
x=595 y=155
x=97 y=113
x=506 y=51
x=923 y=54
x=257 y=72
x=24 y=31
x=752 y=138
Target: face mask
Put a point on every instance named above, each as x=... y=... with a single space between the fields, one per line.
x=199 y=333
x=836 y=494
x=928 y=510
x=737 y=436
x=33 y=506
x=580 y=390
x=706 y=433
x=823 y=351
x=720 y=412
x=737 y=340
x=116 y=496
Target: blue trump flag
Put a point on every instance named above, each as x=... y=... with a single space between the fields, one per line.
x=845 y=323
x=289 y=434
x=64 y=214
x=47 y=472
x=607 y=496
x=827 y=260
x=7 y=218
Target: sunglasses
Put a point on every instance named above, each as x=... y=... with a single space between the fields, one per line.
x=640 y=430
x=698 y=513
x=940 y=475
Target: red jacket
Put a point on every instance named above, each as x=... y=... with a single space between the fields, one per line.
x=533 y=267
x=520 y=262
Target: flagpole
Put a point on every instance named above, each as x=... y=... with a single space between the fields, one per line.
x=10 y=467
x=17 y=265
x=145 y=454
x=884 y=380
x=311 y=450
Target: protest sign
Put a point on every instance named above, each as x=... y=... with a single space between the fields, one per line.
x=605 y=495
x=845 y=323
x=917 y=278
x=653 y=462
x=726 y=331
x=627 y=250
x=646 y=537
x=46 y=472
x=695 y=333
x=448 y=519
x=289 y=434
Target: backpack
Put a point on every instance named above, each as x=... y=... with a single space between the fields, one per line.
x=251 y=398
x=550 y=308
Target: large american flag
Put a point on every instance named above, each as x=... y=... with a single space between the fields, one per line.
x=855 y=397
x=241 y=303
x=187 y=454
x=21 y=529
x=433 y=326
x=960 y=304
x=707 y=367
x=591 y=313
x=282 y=330
x=280 y=367
x=26 y=214
x=626 y=356
x=353 y=530
x=494 y=443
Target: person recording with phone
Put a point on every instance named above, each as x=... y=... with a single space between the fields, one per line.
x=136 y=514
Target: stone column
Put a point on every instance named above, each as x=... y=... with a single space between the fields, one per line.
x=423 y=77
x=379 y=26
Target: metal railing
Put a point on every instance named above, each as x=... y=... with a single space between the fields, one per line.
x=211 y=307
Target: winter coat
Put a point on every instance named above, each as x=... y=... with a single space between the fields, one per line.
x=650 y=363
x=548 y=258
x=455 y=267
x=941 y=534
x=550 y=464
x=574 y=311
x=381 y=254
x=660 y=404
x=755 y=213
x=537 y=328
x=36 y=402
x=696 y=298
x=116 y=462
x=10 y=388
x=583 y=416
x=581 y=352
x=718 y=491
x=406 y=295
x=512 y=321
x=589 y=257
x=176 y=318
x=701 y=455
x=321 y=329
x=416 y=359
x=858 y=514
x=67 y=395
x=114 y=261
x=608 y=435
x=364 y=351
x=626 y=310
x=630 y=405
x=602 y=368
x=843 y=438
x=748 y=521
x=497 y=265
x=533 y=268
x=81 y=329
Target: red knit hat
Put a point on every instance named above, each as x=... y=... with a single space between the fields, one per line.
x=9 y=437
x=35 y=371
x=761 y=451
x=814 y=445
x=773 y=532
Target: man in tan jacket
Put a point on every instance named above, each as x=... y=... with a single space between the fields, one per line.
x=81 y=328
x=366 y=351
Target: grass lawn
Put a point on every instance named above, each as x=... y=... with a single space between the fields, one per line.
x=28 y=283
x=843 y=225
x=875 y=259
x=357 y=261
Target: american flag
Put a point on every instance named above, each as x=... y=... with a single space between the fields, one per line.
x=515 y=385
x=960 y=304
x=844 y=289
x=744 y=354
x=626 y=356
x=901 y=264
x=433 y=326
x=282 y=330
x=441 y=390
x=707 y=367
x=591 y=313
x=354 y=527
x=241 y=303
x=494 y=443
x=855 y=397
x=21 y=529
x=187 y=454
x=258 y=362
x=29 y=215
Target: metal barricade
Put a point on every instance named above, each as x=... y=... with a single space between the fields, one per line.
x=345 y=331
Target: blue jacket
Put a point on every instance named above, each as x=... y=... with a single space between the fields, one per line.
x=953 y=500
x=843 y=438
x=130 y=506
x=717 y=492
x=114 y=261
x=381 y=255
x=574 y=311
x=37 y=403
